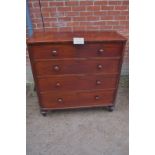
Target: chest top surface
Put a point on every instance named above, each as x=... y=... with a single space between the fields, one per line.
x=63 y=37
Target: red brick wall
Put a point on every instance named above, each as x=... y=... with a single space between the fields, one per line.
x=73 y=15
x=80 y=15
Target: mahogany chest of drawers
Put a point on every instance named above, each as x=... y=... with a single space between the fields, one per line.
x=70 y=75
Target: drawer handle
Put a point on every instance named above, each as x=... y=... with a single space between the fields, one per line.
x=99 y=66
x=60 y=100
x=98 y=82
x=101 y=51
x=54 y=53
x=58 y=84
x=56 y=68
x=97 y=97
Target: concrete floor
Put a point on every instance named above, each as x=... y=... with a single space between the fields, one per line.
x=79 y=132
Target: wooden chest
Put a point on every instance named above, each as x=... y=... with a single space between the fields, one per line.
x=76 y=75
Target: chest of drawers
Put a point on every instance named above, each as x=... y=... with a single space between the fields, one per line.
x=69 y=75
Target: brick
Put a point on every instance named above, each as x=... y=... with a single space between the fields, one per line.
x=37 y=20
x=112 y=22
x=86 y=13
x=72 y=24
x=54 y=4
x=86 y=2
x=47 y=24
x=92 y=18
x=85 y=23
x=44 y=4
x=57 y=14
x=79 y=18
x=35 y=15
x=120 y=17
x=59 y=24
x=115 y=3
x=49 y=10
x=91 y=23
x=64 y=8
x=121 y=7
x=101 y=23
x=100 y=13
x=34 y=10
x=79 y=8
x=71 y=3
x=34 y=25
x=35 y=4
x=72 y=13
x=124 y=22
x=64 y=19
x=124 y=12
x=107 y=18
x=93 y=8
x=118 y=27
x=45 y=14
x=39 y=25
x=125 y=3
x=50 y=19
x=100 y=3
x=114 y=12
x=107 y=8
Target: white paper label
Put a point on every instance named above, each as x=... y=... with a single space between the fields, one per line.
x=78 y=41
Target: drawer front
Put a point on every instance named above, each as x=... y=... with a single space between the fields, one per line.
x=57 y=67
x=73 y=83
x=81 y=99
x=59 y=51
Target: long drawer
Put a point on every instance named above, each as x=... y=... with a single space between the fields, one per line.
x=60 y=51
x=79 y=99
x=58 y=67
x=73 y=83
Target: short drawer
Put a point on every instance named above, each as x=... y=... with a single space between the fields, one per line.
x=59 y=67
x=74 y=83
x=59 y=51
x=80 y=99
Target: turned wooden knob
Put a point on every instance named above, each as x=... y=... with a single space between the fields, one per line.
x=99 y=66
x=100 y=51
x=60 y=100
x=97 y=97
x=98 y=82
x=58 y=84
x=56 y=68
x=54 y=53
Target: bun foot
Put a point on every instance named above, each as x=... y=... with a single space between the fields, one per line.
x=110 y=108
x=43 y=112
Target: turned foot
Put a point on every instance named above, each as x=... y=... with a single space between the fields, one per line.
x=110 y=108
x=43 y=112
